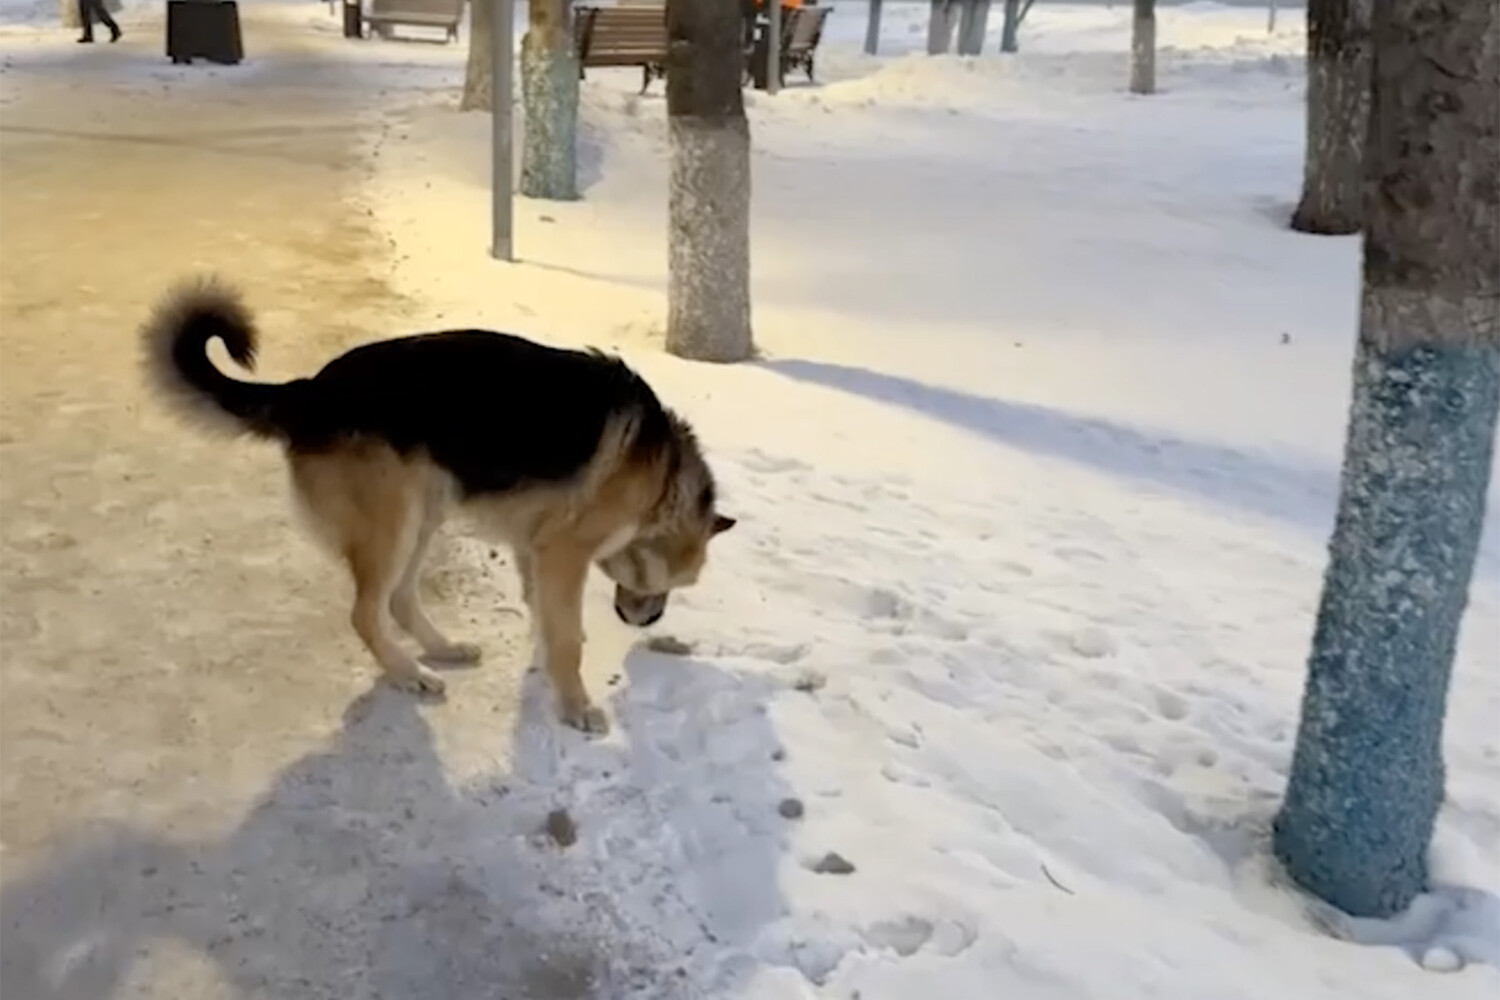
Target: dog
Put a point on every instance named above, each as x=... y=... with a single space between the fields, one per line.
x=566 y=456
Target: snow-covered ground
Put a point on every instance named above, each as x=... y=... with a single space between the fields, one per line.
x=1034 y=481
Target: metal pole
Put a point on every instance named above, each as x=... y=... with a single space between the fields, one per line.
x=502 y=95
x=773 y=46
x=872 y=29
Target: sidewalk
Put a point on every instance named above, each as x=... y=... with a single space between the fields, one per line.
x=180 y=686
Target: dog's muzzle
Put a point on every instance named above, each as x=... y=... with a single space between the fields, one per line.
x=639 y=610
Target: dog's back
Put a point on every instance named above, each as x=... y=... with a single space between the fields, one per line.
x=496 y=411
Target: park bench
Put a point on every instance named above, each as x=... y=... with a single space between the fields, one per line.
x=445 y=14
x=634 y=35
x=801 y=31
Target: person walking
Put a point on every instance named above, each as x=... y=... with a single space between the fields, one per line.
x=88 y=12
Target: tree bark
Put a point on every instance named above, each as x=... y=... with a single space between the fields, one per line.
x=941 y=20
x=1143 y=48
x=1338 y=98
x=708 y=296
x=1367 y=772
x=479 y=71
x=549 y=91
x=1010 y=27
x=972 y=26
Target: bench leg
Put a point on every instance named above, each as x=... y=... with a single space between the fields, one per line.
x=645 y=78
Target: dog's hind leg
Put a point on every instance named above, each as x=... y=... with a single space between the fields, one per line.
x=377 y=561
x=368 y=505
x=406 y=603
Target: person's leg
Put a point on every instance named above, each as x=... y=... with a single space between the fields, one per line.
x=102 y=13
x=94 y=10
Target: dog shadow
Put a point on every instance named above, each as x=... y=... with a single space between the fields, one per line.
x=362 y=872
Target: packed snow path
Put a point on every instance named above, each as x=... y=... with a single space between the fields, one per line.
x=200 y=796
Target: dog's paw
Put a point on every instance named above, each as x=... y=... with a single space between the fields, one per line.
x=455 y=652
x=417 y=680
x=587 y=718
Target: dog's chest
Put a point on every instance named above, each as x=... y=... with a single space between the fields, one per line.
x=617 y=540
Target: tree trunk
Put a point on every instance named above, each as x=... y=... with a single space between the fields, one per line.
x=941 y=20
x=479 y=72
x=1367 y=773
x=708 y=295
x=549 y=91
x=872 y=29
x=972 y=26
x=1010 y=27
x=1338 y=99
x=1143 y=48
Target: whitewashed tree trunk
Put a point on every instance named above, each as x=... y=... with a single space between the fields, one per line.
x=972 y=27
x=942 y=18
x=872 y=29
x=708 y=238
x=479 y=71
x=1143 y=48
x=1367 y=773
x=1338 y=97
x=549 y=91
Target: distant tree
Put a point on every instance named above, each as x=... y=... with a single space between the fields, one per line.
x=1010 y=27
x=973 y=24
x=708 y=234
x=1143 y=47
x=942 y=19
x=1367 y=772
x=1338 y=98
x=479 y=71
x=549 y=91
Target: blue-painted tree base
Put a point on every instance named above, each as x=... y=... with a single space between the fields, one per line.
x=1367 y=773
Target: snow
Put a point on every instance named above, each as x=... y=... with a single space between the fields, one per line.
x=1034 y=482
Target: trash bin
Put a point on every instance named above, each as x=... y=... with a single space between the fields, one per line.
x=204 y=29
x=354 y=19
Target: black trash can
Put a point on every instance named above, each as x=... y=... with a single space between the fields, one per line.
x=204 y=29
x=354 y=18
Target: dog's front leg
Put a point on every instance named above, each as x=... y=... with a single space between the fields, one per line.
x=558 y=573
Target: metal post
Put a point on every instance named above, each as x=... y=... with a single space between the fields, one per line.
x=502 y=94
x=872 y=29
x=773 y=46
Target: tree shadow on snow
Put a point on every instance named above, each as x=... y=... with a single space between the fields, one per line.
x=1302 y=496
x=362 y=873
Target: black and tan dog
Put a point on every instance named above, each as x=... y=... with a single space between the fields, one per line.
x=566 y=456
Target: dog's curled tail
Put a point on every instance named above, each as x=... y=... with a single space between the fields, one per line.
x=175 y=341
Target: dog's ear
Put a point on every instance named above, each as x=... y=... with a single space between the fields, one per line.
x=723 y=524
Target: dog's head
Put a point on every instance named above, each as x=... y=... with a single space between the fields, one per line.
x=662 y=559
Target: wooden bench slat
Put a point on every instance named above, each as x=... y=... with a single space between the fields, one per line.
x=412 y=17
